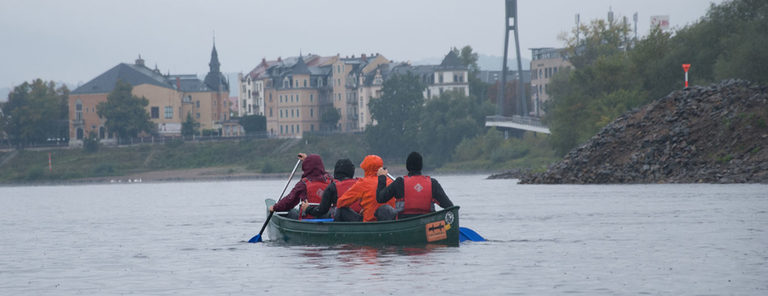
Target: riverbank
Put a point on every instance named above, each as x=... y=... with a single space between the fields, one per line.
x=705 y=134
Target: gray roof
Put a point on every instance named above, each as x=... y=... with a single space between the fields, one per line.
x=129 y=73
x=300 y=67
x=189 y=83
x=452 y=61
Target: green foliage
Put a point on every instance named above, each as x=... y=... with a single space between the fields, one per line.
x=190 y=127
x=490 y=151
x=477 y=88
x=607 y=81
x=254 y=123
x=329 y=117
x=91 y=143
x=35 y=112
x=397 y=114
x=446 y=121
x=125 y=112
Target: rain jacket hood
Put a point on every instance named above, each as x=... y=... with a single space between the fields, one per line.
x=371 y=165
x=313 y=167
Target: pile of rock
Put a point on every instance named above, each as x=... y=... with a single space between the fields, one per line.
x=715 y=134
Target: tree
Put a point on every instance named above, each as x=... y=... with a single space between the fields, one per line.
x=446 y=121
x=189 y=127
x=125 y=112
x=329 y=117
x=254 y=123
x=397 y=114
x=36 y=112
x=477 y=87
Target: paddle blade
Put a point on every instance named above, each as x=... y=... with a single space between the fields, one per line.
x=255 y=239
x=469 y=234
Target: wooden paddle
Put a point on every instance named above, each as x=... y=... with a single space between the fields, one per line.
x=257 y=238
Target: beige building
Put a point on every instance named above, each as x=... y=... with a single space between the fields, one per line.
x=544 y=64
x=293 y=93
x=171 y=98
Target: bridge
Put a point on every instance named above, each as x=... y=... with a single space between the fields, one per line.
x=526 y=123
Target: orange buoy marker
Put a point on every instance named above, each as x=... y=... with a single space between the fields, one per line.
x=685 y=68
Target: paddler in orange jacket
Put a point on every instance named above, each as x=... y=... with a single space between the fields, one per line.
x=365 y=189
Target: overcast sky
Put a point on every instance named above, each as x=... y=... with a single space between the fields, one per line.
x=76 y=40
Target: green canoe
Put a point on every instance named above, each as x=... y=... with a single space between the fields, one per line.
x=440 y=227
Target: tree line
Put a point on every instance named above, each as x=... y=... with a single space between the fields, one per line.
x=613 y=74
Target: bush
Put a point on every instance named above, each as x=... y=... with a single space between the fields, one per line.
x=91 y=143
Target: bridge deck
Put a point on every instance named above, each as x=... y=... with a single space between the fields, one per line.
x=518 y=122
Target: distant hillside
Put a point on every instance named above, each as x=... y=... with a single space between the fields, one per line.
x=485 y=62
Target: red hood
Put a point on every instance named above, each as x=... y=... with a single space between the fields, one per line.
x=313 y=167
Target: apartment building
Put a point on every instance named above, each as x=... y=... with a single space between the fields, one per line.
x=544 y=64
x=293 y=93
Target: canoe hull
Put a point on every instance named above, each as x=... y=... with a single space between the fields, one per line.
x=440 y=227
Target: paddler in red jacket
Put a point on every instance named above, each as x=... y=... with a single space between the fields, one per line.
x=313 y=181
x=415 y=194
x=343 y=179
x=364 y=191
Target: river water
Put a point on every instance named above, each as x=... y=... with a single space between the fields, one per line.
x=189 y=239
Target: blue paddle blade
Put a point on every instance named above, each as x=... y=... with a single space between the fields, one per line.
x=255 y=239
x=469 y=234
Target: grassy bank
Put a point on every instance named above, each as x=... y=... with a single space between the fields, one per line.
x=254 y=156
x=257 y=156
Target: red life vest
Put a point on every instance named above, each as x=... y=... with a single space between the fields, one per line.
x=417 y=197
x=314 y=191
x=343 y=186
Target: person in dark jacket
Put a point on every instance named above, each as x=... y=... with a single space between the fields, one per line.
x=414 y=194
x=344 y=178
x=313 y=172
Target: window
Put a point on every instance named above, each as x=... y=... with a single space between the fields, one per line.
x=270 y=112
x=155 y=112
x=338 y=68
x=298 y=100
x=102 y=132
x=311 y=112
x=281 y=129
x=297 y=129
x=197 y=104
x=197 y=115
x=311 y=97
x=270 y=97
x=440 y=77
x=168 y=112
x=292 y=130
x=281 y=113
x=79 y=110
x=312 y=127
x=79 y=133
x=305 y=83
x=297 y=113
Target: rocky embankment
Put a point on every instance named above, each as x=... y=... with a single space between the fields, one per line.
x=714 y=134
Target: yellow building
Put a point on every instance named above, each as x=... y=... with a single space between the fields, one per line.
x=171 y=98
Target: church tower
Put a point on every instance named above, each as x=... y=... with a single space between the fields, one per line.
x=215 y=79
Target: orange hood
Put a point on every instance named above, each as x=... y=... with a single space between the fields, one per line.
x=371 y=165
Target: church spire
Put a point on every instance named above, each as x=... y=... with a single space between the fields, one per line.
x=215 y=79
x=215 y=66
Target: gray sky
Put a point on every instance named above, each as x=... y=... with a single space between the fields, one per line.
x=76 y=40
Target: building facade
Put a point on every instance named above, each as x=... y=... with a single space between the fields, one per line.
x=171 y=98
x=545 y=63
x=294 y=93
